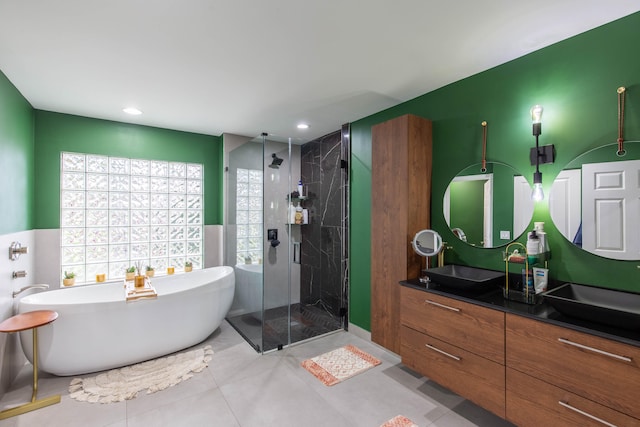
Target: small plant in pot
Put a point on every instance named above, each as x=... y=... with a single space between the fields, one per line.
x=188 y=266
x=150 y=271
x=130 y=273
x=69 y=278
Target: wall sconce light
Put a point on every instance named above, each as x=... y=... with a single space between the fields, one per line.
x=539 y=155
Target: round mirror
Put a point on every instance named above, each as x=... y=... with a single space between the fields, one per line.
x=595 y=200
x=427 y=243
x=488 y=208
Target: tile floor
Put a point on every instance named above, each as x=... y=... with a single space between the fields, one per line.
x=242 y=388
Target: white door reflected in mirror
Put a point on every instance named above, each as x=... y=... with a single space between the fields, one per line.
x=492 y=208
x=609 y=201
x=595 y=202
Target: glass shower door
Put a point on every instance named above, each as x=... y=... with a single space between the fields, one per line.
x=281 y=159
x=244 y=237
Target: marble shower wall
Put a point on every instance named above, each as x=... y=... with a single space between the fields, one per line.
x=322 y=271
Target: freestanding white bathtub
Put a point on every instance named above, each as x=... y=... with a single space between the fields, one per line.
x=97 y=329
x=248 y=296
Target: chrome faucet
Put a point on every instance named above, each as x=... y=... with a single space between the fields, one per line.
x=26 y=288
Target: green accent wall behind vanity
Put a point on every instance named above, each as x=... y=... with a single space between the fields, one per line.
x=575 y=81
x=55 y=133
x=16 y=159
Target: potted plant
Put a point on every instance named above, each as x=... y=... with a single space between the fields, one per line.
x=69 y=278
x=188 y=266
x=130 y=273
x=150 y=271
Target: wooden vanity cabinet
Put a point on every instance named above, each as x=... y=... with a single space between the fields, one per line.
x=458 y=345
x=530 y=372
x=400 y=207
x=559 y=373
x=533 y=403
x=470 y=326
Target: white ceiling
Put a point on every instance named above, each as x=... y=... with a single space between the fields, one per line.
x=253 y=66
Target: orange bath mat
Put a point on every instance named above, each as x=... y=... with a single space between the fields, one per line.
x=340 y=364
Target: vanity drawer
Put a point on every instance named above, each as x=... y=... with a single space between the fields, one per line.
x=473 y=377
x=531 y=402
x=598 y=369
x=468 y=326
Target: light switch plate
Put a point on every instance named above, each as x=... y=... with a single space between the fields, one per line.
x=505 y=234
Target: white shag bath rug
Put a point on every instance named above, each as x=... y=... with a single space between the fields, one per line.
x=154 y=375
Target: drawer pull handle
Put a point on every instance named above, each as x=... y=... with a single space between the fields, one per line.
x=437 y=304
x=586 y=414
x=595 y=350
x=442 y=352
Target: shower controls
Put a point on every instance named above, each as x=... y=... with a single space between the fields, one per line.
x=16 y=249
x=19 y=274
x=272 y=236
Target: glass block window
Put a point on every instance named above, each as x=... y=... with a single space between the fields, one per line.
x=249 y=215
x=117 y=212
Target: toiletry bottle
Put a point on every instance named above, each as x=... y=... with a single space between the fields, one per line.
x=291 y=214
x=300 y=188
x=298 y=215
x=533 y=246
x=527 y=282
x=544 y=243
x=540 y=279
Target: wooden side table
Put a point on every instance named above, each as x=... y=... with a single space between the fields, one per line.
x=21 y=322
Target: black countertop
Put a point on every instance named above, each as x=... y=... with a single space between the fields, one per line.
x=543 y=311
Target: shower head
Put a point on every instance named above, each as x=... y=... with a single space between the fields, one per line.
x=276 y=162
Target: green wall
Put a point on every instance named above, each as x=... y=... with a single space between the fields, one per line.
x=467 y=209
x=575 y=81
x=16 y=159
x=55 y=132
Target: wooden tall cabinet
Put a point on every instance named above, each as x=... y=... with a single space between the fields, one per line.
x=400 y=207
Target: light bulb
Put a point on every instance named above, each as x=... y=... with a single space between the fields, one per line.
x=537 y=194
x=536 y=113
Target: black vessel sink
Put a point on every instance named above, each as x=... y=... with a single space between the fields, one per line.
x=464 y=277
x=607 y=306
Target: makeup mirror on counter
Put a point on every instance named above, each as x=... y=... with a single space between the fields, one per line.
x=594 y=201
x=427 y=243
x=488 y=209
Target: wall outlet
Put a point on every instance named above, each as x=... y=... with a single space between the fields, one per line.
x=505 y=234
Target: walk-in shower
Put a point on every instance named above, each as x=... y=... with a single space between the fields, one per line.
x=296 y=289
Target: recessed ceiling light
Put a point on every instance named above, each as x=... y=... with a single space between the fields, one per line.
x=303 y=126
x=132 y=110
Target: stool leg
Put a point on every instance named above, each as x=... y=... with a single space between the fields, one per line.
x=34 y=394
x=34 y=404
